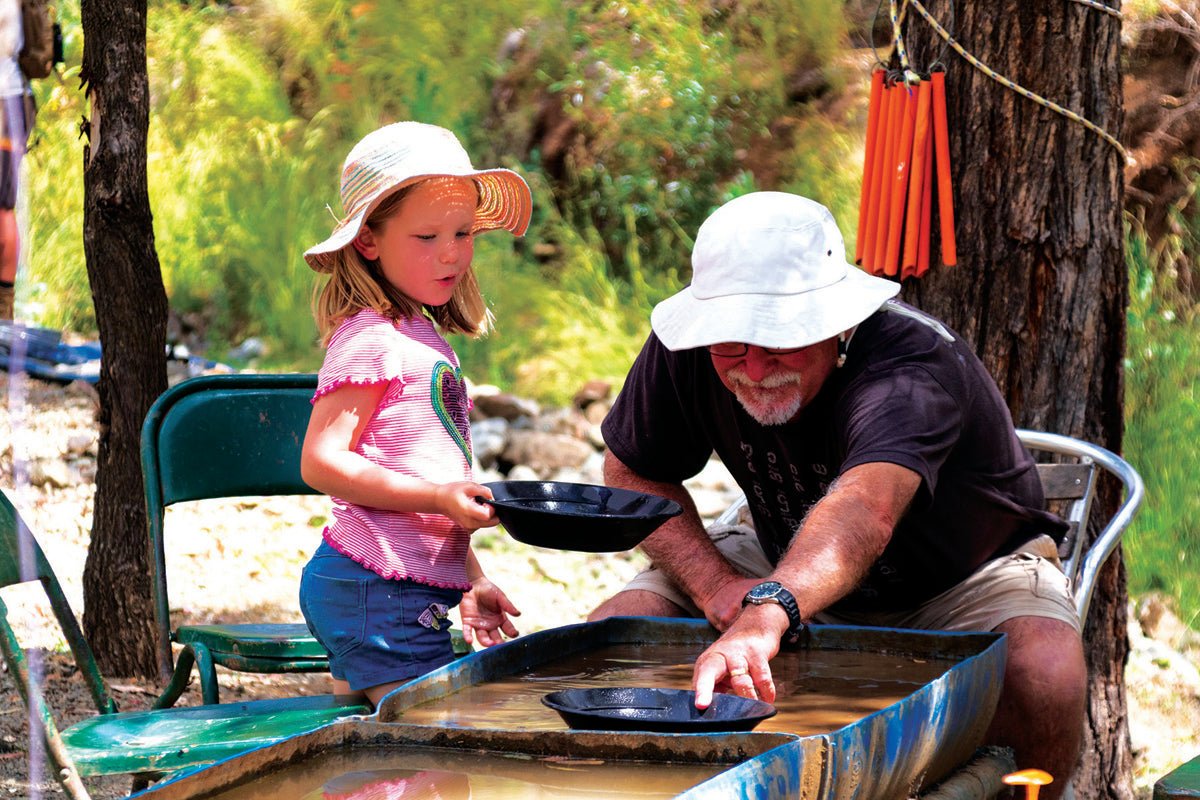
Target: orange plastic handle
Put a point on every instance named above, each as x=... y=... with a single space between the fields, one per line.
x=864 y=198
x=882 y=139
x=887 y=181
x=941 y=138
x=904 y=152
x=922 y=265
x=916 y=181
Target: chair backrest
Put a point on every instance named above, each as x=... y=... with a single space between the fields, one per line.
x=220 y=436
x=22 y=561
x=1069 y=483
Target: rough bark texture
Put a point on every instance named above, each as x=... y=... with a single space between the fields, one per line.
x=131 y=314
x=1041 y=286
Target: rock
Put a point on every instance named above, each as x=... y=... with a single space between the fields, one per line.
x=523 y=473
x=488 y=438
x=248 y=349
x=476 y=391
x=1160 y=623
x=486 y=475
x=80 y=443
x=710 y=504
x=597 y=411
x=543 y=452
x=86 y=470
x=567 y=421
x=592 y=391
x=596 y=437
x=715 y=476
x=84 y=389
x=593 y=469
x=507 y=406
x=50 y=472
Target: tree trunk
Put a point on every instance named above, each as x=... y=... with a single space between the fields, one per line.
x=1041 y=287
x=131 y=314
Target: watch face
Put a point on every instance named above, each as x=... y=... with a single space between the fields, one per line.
x=764 y=591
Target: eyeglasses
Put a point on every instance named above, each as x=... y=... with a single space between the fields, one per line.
x=739 y=349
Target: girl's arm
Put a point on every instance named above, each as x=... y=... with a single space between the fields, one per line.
x=329 y=464
x=485 y=609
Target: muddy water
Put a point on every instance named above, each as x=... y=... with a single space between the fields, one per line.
x=429 y=774
x=818 y=691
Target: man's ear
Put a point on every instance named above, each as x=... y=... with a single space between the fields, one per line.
x=364 y=243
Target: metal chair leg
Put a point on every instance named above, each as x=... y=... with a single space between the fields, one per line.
x=191 y=655
x=179 y=680
x=207 y=670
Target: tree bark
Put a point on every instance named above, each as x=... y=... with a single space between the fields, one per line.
x=1041 y=287
x=131 y=314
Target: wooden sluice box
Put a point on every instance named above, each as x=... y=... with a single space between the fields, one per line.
x=864 y=713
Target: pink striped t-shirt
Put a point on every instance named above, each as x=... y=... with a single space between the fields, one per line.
x=420 y=428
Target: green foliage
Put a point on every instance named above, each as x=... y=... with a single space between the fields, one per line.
x=253 y=107
x=1162 y=412
x=670 y=99
x=54 y=286
x=551 y=333
x=826 y=164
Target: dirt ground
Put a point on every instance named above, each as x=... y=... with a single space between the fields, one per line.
x=251 y=572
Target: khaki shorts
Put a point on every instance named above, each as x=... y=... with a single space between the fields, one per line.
x=1029 y=583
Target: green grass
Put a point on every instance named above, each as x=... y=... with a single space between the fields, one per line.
x=1162 y=412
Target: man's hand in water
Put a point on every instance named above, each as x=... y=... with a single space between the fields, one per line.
x=738 y=661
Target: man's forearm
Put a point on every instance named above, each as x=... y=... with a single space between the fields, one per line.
x=844 y=534
x=680 y=548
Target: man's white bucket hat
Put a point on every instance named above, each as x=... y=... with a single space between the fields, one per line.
x=400 y=154
x=769 y=269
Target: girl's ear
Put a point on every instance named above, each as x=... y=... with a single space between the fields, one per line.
x=364 y=243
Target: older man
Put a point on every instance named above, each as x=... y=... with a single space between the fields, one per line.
x=885 y=480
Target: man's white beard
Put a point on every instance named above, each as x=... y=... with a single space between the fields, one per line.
x=769 y=401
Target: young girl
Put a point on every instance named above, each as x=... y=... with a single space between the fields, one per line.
x=388 y=439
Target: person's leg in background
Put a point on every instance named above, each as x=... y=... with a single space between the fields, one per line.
x=9 y=249
x=12 y=150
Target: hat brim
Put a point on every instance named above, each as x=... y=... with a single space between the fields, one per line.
x=505 y=202
x=684 y=321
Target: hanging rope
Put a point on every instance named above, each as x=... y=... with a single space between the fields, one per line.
x=897 y=22
x=1112 y=12
x=986 y=70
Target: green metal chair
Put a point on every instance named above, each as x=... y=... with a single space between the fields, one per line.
x=141 y=743
x=227 y=436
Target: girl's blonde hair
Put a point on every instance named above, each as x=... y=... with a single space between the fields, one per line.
x=356 y=283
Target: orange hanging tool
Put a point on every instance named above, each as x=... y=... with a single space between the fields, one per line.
x=916 y=181
x=922 y=265
x=887 y=182
x=868 y=160
x=882 y=137
x=899 y=178
x=941 y=138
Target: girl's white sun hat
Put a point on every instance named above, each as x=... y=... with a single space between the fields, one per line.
x=400 y=154
x=769 y=269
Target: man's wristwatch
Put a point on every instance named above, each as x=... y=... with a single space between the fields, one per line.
x=773 y=592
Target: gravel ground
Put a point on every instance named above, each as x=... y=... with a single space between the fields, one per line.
x=251 y=572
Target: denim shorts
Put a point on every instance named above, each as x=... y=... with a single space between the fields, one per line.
x=377 y=630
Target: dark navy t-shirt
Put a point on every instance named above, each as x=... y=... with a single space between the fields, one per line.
x=910 y=393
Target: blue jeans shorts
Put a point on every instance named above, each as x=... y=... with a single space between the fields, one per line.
x=377 y=630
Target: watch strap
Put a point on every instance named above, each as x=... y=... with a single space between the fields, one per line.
x=786 y=600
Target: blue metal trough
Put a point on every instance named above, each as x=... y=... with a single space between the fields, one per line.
x=892 y=753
